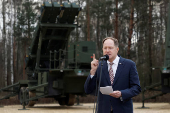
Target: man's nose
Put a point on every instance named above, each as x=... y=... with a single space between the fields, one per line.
x=107 y=50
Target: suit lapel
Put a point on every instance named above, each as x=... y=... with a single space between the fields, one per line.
x=106 y=73
x=119 y=69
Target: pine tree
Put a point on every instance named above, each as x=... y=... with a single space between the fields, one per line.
x=24 y=28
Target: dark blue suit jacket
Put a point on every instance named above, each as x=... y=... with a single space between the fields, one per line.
x=126 y=80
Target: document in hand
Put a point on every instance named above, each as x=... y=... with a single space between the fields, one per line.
x=106 y=90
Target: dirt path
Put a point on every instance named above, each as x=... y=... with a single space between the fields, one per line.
x=84 y=108
x=153 y=108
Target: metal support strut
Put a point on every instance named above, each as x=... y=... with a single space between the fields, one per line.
x=24 y=100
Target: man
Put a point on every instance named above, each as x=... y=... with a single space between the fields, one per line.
x=118 y=72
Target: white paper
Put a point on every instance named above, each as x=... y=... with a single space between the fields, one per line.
x=106 y=90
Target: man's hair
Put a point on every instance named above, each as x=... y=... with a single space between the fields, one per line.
x=116 y=43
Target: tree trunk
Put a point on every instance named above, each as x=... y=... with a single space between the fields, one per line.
x=116 y=21
x=150 y=41
x=17 y=60
x=98 y=32
x=14 y=47
x=24 y=63
x=14 y=59
x=130 y=27
x=28 y=22
x=88 y=20
x=5 y=40
x=12 y=75
x=60 y=1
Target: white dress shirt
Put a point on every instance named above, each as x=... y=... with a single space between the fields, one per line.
x=114 y=66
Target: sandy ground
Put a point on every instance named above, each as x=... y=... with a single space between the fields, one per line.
x=83 y=108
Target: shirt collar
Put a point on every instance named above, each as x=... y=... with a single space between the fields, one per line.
x=116 y=61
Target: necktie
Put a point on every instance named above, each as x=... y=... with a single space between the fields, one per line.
x=111 y=73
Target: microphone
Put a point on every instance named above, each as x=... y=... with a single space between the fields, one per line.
x=105 y=57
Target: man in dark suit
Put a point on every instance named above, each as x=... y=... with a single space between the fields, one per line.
x=118 y=72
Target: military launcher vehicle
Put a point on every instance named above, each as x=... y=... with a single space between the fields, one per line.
x=55 y=68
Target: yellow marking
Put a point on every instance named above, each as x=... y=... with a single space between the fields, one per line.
x=79 y=14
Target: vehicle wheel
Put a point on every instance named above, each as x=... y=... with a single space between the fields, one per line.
x=62 y=101
x=30 y=94
x=20 y=95
x=69 y=100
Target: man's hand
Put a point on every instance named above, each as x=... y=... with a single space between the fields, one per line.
x=94 y=65
x=116 y=94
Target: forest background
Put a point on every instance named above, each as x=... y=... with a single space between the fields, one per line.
x=139 y=25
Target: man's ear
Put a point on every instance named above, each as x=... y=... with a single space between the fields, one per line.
x=117 y=49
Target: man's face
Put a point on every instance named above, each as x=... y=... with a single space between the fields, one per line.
x=110 y=49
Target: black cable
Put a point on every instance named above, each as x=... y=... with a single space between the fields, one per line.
x=95 y=95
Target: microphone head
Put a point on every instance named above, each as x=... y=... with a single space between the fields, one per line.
x=107 y=57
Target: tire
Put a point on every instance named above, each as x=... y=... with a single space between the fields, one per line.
x=69 y=100
x=20 y=95
x=29 y=94
x=62 y=101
